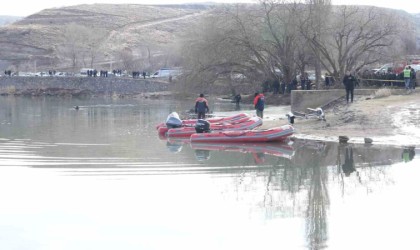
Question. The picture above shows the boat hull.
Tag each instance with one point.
(268, 135)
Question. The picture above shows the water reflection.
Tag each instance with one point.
(304, 169)
(202, 155)
(348, 166)
(408, 154)
(257, 150)
(275, 185)
(174, 147)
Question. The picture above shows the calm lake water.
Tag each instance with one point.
(100, 178)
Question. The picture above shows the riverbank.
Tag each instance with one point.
(385, 120)
(82, 86)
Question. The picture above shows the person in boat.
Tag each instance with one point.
(201, 107)
(259, 103)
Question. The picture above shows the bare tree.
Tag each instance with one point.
(81, 44)
(253, 40)
(317, 15)
(126, 58)
(71, 48)
(92, 44)
(209, 51)
(352, 38)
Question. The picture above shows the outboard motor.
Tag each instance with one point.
(202, 126)
(173, 121)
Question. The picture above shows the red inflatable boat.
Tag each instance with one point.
(267, 135)
(239, 118)
(192, 122)
(249, 124)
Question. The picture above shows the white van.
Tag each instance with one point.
(83, 72)
(166, 73)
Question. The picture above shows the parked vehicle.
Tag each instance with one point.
(416, 67)
(395, 68)
(84, 71)
(311, 76)
(166, 73)
(25, 74)
(60, 74)
(41, 74)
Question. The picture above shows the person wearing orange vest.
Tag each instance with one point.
(259, 103)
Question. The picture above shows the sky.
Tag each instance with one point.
(28, 7)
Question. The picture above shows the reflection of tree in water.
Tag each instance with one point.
(318, 199)
(300, 186)
(316, 213)
(297, 179)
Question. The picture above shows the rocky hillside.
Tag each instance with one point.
(39, 37)
(146, 31)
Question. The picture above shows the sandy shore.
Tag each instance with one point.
(386, 120)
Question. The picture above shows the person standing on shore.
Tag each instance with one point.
(413, 79)
(259, 103)
(407, 77)
(349, 82)
(201, 107)
(327, 81)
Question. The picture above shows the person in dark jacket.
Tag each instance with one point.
(201, 107)
(327, 81)
(303, 80)
(349, 82)
(237, 99)
(412, 79)
(259, 103)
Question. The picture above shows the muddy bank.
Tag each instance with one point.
(386, 120)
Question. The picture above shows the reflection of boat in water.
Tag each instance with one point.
(276, 149)
(175, 144)
(265, 135)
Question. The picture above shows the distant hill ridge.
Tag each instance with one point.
(131, 26)
(140, 29)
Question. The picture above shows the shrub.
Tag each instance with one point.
(10, 90)
(384, 92)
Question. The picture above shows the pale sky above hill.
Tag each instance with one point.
(28, 7)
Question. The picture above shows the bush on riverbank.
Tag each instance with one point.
(384, 92)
